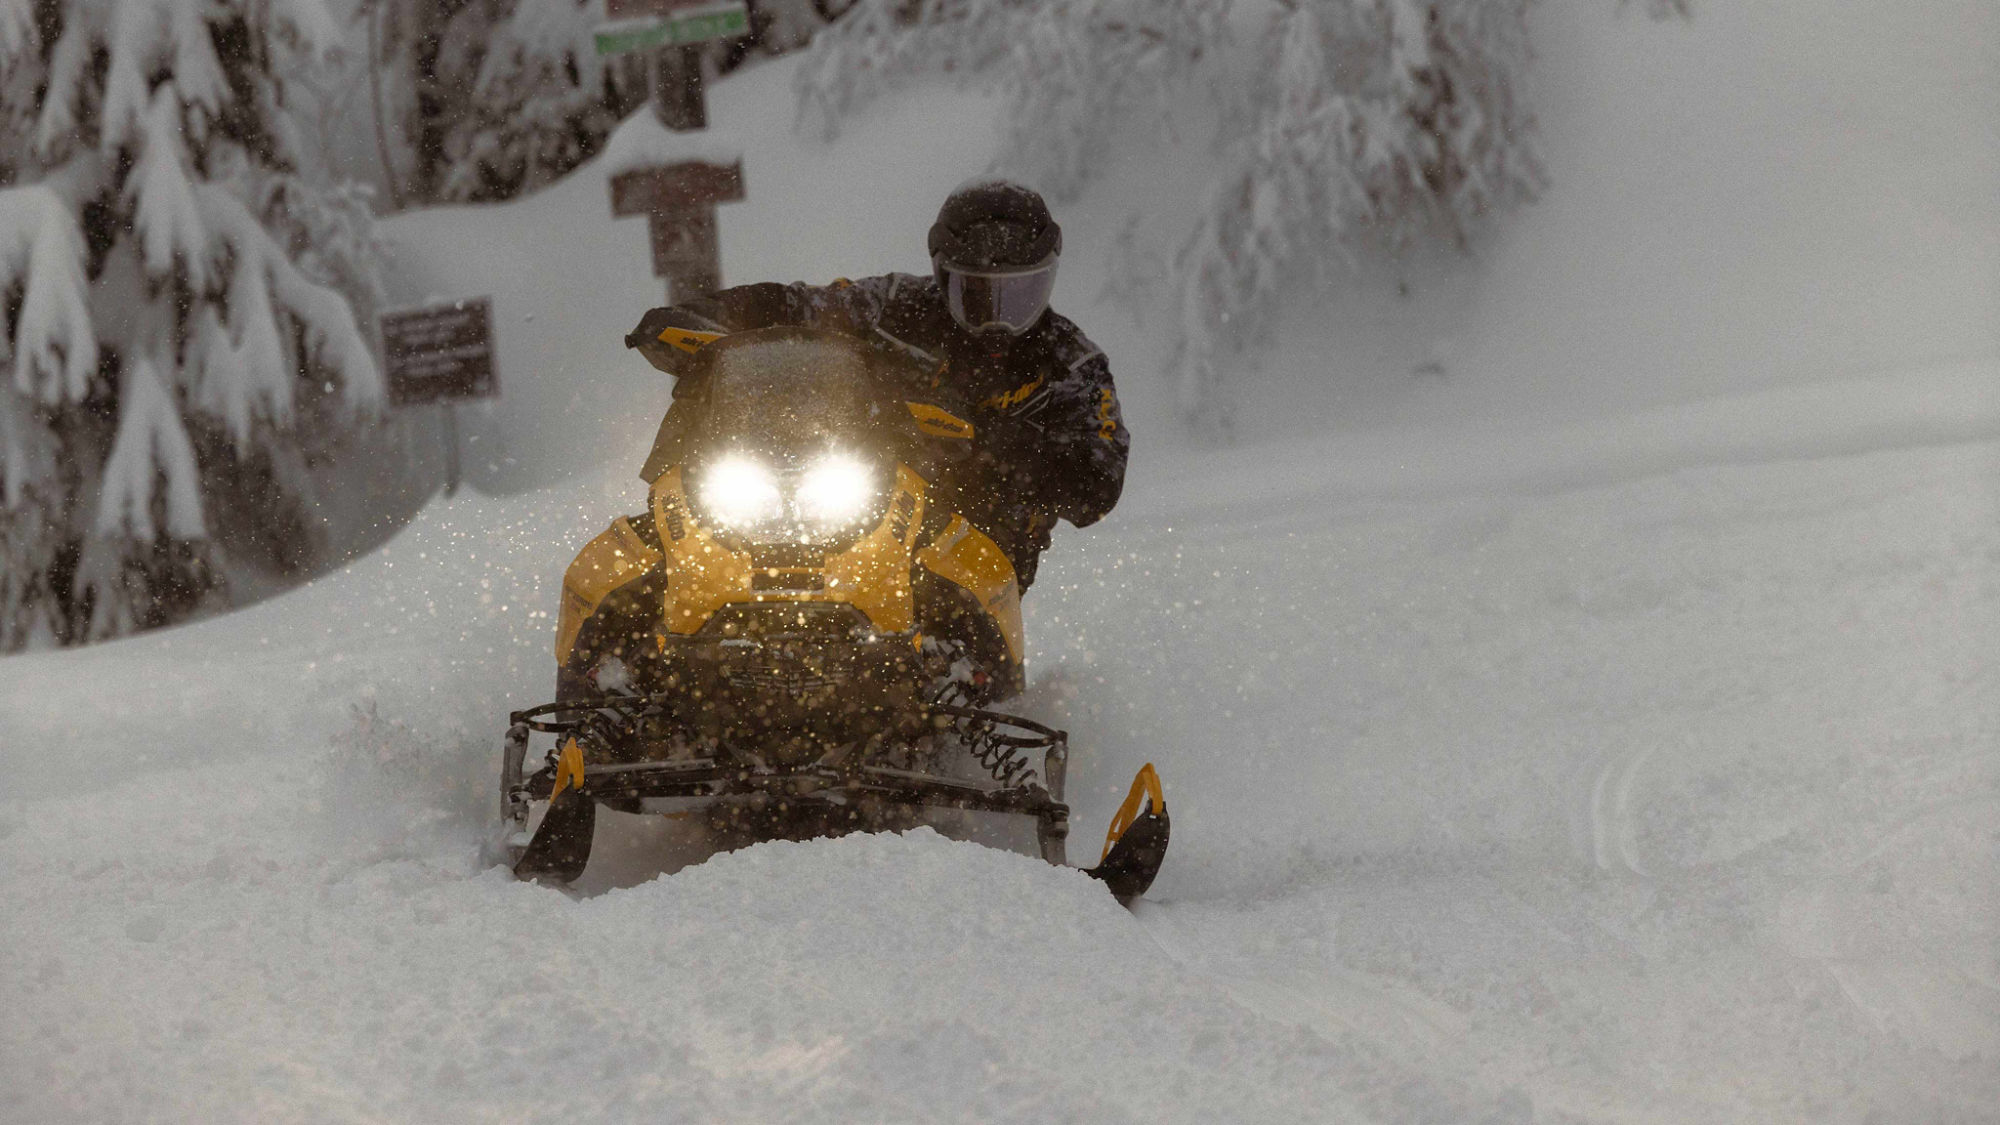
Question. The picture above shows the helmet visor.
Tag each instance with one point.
(988, 300)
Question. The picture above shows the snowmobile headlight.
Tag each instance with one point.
(740, 493)
(835, 491)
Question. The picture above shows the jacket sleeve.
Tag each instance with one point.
(844, 306)
(1060, 450)
(763, 305)
(731, 310)
(1086, 442)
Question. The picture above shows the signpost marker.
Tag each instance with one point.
(441, 353)
(677, 199)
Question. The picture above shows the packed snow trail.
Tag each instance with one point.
(1703, 740)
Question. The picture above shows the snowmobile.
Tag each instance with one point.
(805, 637)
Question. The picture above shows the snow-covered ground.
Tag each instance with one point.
(1637, 765)
(1668, 799)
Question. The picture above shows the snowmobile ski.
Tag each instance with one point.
(560, 848)
(1136, 844)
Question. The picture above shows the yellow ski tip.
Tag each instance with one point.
(569, 768)
(1145, 787)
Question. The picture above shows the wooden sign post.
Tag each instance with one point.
(677, 199)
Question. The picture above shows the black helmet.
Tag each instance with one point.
(994, 247)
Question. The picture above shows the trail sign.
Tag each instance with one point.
(680, 27)
(679, 201)
(440, 353)
(637, 9)
(680, 186)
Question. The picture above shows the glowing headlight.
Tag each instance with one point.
(836, 489)
(740, 493)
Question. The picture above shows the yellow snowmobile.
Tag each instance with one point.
(803, 637)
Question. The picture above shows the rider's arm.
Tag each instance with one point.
(763, 305)
(1082, 438)
(731, 310)
(845, 306)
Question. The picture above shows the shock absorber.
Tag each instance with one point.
(1003, 757)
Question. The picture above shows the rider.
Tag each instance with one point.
(1049, 440)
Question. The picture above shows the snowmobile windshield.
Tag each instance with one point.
(997, 300)
(788, 392)
(791, 443)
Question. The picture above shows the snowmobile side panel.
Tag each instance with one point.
(607, 562)
(939, 422)
(965, 555)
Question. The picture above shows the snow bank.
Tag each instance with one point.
(1665, 799)
(1514, 453)
(867, 979)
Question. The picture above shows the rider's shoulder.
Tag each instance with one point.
(884, 282)
(897, 286)
(1066, 342)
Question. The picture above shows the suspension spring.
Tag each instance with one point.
(1001, 757)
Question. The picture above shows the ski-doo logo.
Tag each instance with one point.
(1009, 399)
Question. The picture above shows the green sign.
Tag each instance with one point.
(696, 25)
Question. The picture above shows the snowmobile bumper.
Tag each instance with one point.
(559, 848)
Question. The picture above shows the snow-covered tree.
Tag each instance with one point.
(541, 103)
(1382, 121)
(176, 300)
(491, 98)
(1341, 123)
(1071, 72)
(488, 98)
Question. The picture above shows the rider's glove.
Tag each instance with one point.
(658, 352)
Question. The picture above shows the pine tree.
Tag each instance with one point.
(485, 99)
(540, 102)
(1352, 122)
(174, 304)
(493, 98)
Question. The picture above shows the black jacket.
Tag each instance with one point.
(1050, 441)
